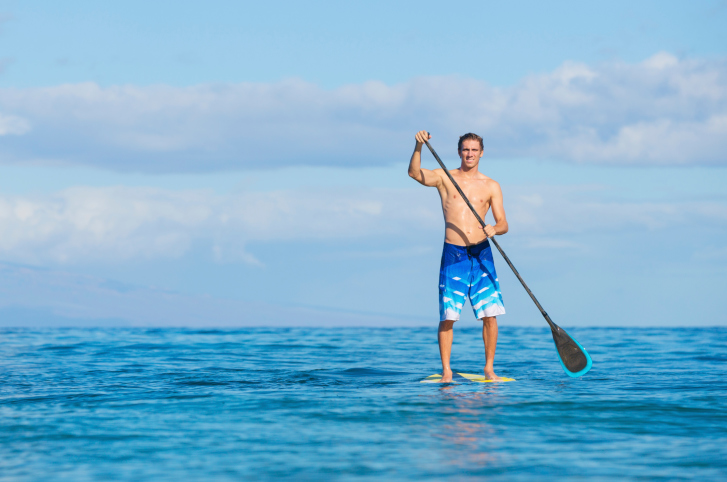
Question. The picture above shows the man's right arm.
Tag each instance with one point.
(422, 176)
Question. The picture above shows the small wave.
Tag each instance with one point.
(369, 372)
(202, 383)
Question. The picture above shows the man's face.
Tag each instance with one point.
(470, 153)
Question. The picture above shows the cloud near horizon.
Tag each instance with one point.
(118, 223)
(111, 225)
(662, 111)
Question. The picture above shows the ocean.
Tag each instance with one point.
(346, 404)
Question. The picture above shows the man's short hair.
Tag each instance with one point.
(470, 137)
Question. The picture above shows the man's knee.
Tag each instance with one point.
(489, 320)
(446, 325)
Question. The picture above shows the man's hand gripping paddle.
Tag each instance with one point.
(573, 357)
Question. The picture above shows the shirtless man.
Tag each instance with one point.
(467, 268)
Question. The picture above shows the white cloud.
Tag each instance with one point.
(82, 225)
(13, 125)
(664, 110)
(548, 210)
(91, 224)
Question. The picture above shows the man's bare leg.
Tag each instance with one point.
(489, 336)
(446, 335)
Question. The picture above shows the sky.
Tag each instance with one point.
(228, 163)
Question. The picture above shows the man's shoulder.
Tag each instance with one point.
(487, 180)
(439, 172)
(490, 186)
(493, 185)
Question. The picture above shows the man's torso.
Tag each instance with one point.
(461, 226)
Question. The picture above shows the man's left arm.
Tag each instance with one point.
(498, 212)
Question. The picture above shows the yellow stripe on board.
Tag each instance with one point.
(473, 378)
(482, 379)
(432, 379)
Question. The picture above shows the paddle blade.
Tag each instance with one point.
(573, 357)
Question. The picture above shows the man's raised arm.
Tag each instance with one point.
(422, 176)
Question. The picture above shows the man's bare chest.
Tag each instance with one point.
(476, 191)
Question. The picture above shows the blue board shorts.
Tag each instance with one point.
(468, 272)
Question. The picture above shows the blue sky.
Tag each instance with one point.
(333, 43)
(247, 162)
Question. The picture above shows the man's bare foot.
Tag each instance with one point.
(490, 375)
(446, 376)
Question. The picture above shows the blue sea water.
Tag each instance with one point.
(346, 404)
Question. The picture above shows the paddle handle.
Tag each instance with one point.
(497, 245)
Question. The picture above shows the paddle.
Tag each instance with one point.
(573, 357)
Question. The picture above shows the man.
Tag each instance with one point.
(467, 269)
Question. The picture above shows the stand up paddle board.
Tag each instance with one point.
(465, 377)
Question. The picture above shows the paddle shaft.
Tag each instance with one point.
(497, 245)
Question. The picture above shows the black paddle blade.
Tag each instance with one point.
(575, 359)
